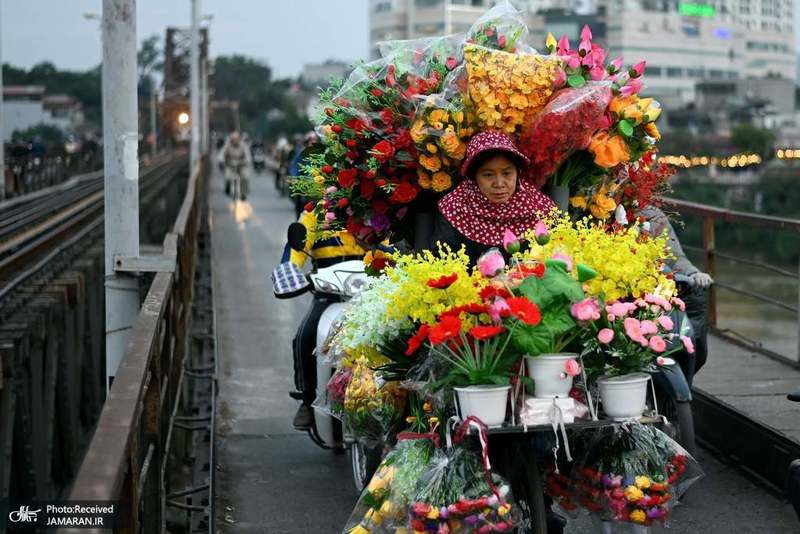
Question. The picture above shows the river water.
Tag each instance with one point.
(775, 328)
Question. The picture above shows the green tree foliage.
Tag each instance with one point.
(84, 86)
(46, 133)
(248, 81)
(749, 138)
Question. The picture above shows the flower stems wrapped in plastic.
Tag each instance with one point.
(383, 506)
(633, 473)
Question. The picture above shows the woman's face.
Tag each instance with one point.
(497, 178)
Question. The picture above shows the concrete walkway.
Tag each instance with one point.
(752, 383)
(272, 479)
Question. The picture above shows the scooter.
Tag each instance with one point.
(259, 160)
(793, 477)
(672, 381)
(336, 284)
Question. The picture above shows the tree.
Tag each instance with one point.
(46, 133)
(749, 138)
(150, 60)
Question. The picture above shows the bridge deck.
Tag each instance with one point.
(272, 479)
(753, 384)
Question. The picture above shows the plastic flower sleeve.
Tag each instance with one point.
(565, 125)
(383, 505)
(440, 134)
(633, 473)
(372, 406)
(453, 495)
(331, 399)
(500, 28)
(505, 91)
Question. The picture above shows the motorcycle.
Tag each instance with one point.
(793, 477)
(672, 381)
(336, 284)
(259, 159)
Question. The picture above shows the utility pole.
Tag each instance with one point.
(204, 106)
(2, 127)
(195, 83)
(120, 174)
(153, 124)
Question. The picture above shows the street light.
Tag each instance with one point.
(183, 118)
(92, 15)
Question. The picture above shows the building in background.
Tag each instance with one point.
(25, 106)
(412, 19)
(316, 74)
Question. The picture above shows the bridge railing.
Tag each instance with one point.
(126, 459)
(711, 217)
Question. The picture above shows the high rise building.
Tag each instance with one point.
(411, 19)
(683, 41)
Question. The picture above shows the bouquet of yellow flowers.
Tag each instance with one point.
(440, 134)
(505, 91)
(628, 262)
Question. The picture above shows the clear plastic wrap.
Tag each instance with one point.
(500, 28)
(383, 505)
(504, 90)
(565, 125)
(372, 407)
(331, 399)
(632, 473)
(454, 496)
(440, 133)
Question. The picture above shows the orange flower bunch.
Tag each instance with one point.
(632, 133)
(506, 90)
(440, 134)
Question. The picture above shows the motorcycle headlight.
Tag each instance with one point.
(355, 283)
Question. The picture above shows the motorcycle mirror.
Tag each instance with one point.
(296, 236)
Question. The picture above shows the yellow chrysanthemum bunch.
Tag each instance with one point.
(440, 135)
(506, 90)
(627, 264)
(414, 299)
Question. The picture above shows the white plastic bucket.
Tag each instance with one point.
(624, 397)
(549, 374)
(486, 402)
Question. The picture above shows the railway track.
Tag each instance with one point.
(34, 231)
(52, 356)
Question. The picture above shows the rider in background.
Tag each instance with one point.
(699, 282)
(309, 144)
(235, 156)
(339, 247)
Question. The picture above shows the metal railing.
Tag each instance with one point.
(127, 457)
(712, 215)
(29, 173)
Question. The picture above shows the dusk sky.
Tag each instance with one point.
(286, 34)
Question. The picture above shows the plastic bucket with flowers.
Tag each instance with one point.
(486, 402)
(624, 397)
(552, 373)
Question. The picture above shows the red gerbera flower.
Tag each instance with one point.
(486, 332)
(473, 308)
(443, 282)
(525, 310)
(446, 329)
(416, 341)
(490, 292)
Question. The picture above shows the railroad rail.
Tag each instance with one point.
(52, 356)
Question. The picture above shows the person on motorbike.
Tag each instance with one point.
(309, 145)
(699, 282)
(236, 158)
(490, 199)
(339, 247)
